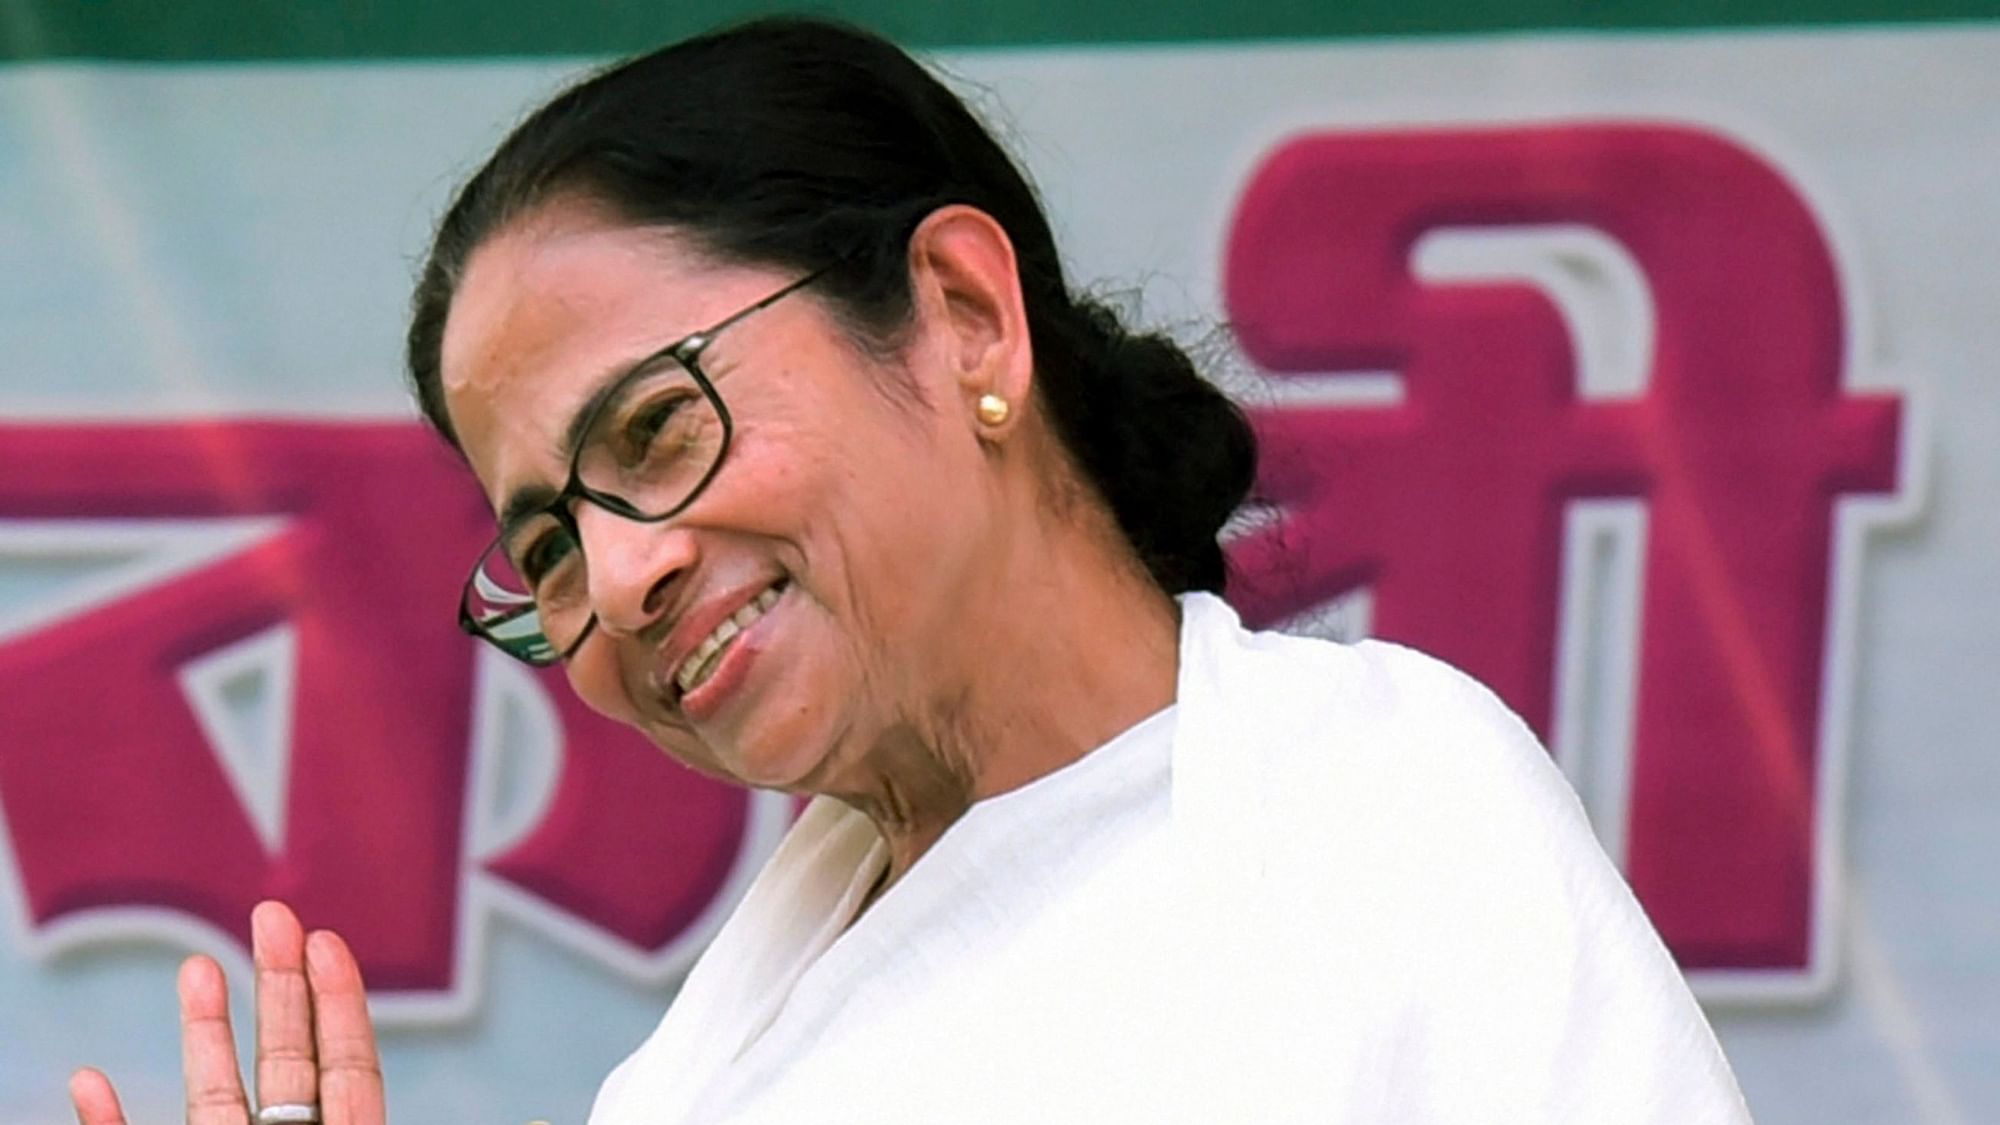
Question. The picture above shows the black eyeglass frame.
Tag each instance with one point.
(686, 351)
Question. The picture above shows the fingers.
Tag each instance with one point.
(315, 1042)
(286, 1068)
(350, 1071)
(96, 1102)
(208, 1051)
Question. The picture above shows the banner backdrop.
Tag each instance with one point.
(1646, 376)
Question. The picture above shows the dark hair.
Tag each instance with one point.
(801, 143)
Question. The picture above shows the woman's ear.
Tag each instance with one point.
(967, 292)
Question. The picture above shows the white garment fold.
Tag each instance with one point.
(1332, 883)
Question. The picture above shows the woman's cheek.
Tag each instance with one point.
(595, 679)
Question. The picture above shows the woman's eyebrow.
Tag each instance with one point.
(524, 502)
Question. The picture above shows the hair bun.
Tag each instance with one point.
(1170, 453)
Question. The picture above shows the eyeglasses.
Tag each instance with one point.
(644, 448)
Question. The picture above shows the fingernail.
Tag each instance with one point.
(319, 952)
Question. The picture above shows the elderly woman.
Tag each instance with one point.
(809, 464)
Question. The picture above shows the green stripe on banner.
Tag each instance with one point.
(197, 30)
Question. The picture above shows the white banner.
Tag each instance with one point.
(1758, 631)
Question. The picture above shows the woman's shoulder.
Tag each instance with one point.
(1352, 704)
(1301, 749)
(1390, 839)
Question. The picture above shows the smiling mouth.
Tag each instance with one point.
(707, 656)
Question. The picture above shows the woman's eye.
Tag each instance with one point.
(654, 418)
(644, 427)
(544, 555)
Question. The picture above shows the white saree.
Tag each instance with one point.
(1330, 884)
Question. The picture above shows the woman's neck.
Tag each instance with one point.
(1055, 657)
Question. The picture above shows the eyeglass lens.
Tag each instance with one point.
(651, 446)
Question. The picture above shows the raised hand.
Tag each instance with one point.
(315, 1044)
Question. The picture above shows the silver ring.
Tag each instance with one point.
(289, 1113)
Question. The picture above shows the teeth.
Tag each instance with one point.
(702, 662)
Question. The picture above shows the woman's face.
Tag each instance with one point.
(846, 523)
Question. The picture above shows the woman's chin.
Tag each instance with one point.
(790, 772)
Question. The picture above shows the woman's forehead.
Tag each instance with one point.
(549, 281)
(541, 313)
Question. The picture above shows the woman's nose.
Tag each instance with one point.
(631, 566)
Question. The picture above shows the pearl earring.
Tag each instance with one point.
(993, 409)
